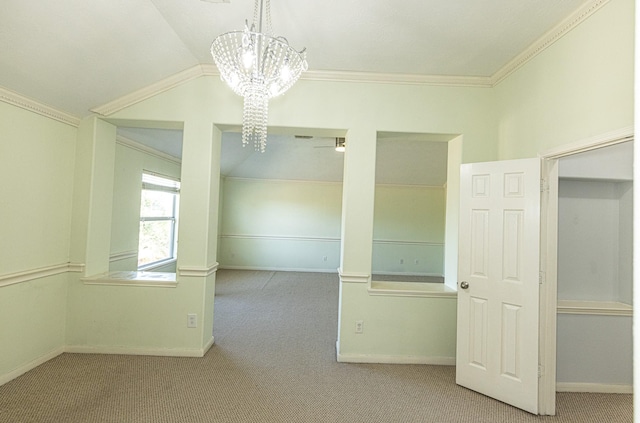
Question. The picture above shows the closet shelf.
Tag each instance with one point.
(602, 308)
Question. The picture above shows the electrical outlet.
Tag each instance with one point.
(359, 326)
(324, 258)
(401, 261)
(192, 320)
(417, 261)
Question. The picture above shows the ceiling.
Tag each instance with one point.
(78, 55)
(401, 159)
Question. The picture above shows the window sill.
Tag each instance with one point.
(134, 278)
(411, 289)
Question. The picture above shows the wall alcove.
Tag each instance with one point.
(595, 230)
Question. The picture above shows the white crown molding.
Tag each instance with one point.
(396, 78)
(150, 90)
(209, 69)
(146, 149)
(15, 99)
(549, 38)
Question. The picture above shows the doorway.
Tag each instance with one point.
(563, 170)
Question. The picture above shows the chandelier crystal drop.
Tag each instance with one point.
(257, 66)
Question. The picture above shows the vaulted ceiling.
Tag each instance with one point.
(76, 55)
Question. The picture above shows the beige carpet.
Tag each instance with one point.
(274, 361)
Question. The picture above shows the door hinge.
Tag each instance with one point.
(541, 277)
(544, 186)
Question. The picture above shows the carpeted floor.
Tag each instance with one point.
(273, 361)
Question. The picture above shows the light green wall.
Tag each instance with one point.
(579, 87)
(362, 109)
(287, 225)
(409, 226)
(36, 156)
(126, 318)
(37, 172)
(294, 225)
(125, 220)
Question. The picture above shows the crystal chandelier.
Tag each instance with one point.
(257, 65)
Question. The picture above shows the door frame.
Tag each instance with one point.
(548, 257)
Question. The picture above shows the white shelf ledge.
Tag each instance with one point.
(411, 289)
(134, 278)
(601, 308)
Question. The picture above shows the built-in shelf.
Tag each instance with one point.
(602, 308)
(134, 278)
(411, 289)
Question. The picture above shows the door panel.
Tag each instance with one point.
(498, 313)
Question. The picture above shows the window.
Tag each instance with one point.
(158, 220)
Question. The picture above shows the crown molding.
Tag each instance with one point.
(151, 90)
(209, 69)
(549, 38)
(15, 99)
(146, 149)
(396, 78)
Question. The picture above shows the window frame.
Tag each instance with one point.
(152, 181)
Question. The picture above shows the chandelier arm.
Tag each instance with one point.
(257, 65)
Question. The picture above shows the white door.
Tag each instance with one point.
(498, 287)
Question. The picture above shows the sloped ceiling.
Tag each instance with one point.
(77, 55)
(401, 159)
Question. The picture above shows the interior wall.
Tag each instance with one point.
(408, 230)
(594, 250)
(578, 87)
(294, 225)
(280, 225)
(362, 109)
(588, 240)
(37, 156)
(594, 350)
(625, 242)
(125, 221)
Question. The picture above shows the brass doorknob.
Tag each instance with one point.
(464, 285)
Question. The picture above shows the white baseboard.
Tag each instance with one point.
(207, 346)
(161, 352)
(393, 359)
(30, 365)
(278, 269)
(599, 388)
